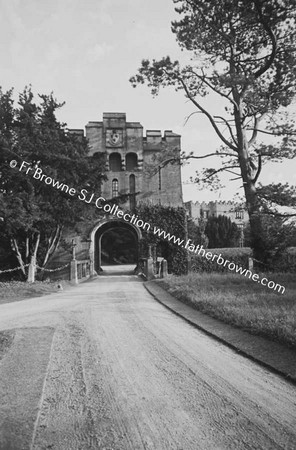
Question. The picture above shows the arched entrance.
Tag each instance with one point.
(114, 242)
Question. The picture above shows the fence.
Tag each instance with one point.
(77, 271)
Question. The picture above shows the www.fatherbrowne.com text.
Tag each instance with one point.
(101, 203)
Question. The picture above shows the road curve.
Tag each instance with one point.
(125, 373)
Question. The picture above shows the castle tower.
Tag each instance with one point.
(131, 165)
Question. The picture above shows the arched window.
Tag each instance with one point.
(131, 161)
(114, 188)
(132, 190)
(115, 162)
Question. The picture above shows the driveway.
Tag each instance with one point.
(105, 366)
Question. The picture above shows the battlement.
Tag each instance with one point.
(76, 131)
(114, 115)
(154, 139)
(234, 210)
(229, 203)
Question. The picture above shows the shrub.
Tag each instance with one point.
(238, 256)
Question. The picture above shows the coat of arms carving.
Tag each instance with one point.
(114, 138)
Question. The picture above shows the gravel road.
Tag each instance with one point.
(122, 372)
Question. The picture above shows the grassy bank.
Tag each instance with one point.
(17, 290)
(241, 302)
(6, 339)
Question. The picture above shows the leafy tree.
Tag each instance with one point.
(196, 232)
(34, 213)
(278, 235)
(222, 232)
(278, 194)
(243, 52)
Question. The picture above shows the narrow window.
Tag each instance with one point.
(115, 188)
(159, 178)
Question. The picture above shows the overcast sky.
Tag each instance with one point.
(85, 52)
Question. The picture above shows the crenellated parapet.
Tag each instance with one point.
(129, 157)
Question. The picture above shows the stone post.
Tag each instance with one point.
(73, 272)
(149, 269)
(73, 265)
(32, 270)
(164, 269)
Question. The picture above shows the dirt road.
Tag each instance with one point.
(104, 366)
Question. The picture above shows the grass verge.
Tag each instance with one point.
(6, 339)
(241, 302)
(18, 290)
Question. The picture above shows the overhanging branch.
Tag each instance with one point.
(220, 170)
(208, 115)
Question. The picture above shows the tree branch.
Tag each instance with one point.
(271, 133)
(230, 171)
(15, 249)
(270, 33)
(204, 79)
(258, 169)
(220, 170)
(228, 126)
(211, 119)
(274, 213)
(185, 158)
(255, 131)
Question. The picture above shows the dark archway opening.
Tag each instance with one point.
(119, 246)
(116, 243)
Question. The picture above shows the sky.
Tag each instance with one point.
(85, 52)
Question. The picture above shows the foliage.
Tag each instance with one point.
(34, 213)
(222, 232)
(277, 237)
(278, 193)
(197, 232)
(169, 219)
(243, 52)
(119, 246)
(238, 256)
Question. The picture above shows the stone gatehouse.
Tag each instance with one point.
(133, 173)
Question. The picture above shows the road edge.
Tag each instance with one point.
(261, 350)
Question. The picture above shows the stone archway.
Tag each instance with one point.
(110, 239)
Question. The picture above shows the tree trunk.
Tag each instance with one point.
(18, 255)
(53, 243)
(27, 249)
(247, 172)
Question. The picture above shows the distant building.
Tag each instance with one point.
(235, 211)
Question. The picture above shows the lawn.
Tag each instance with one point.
(241, 302)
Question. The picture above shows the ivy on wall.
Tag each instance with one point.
(173, 222)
